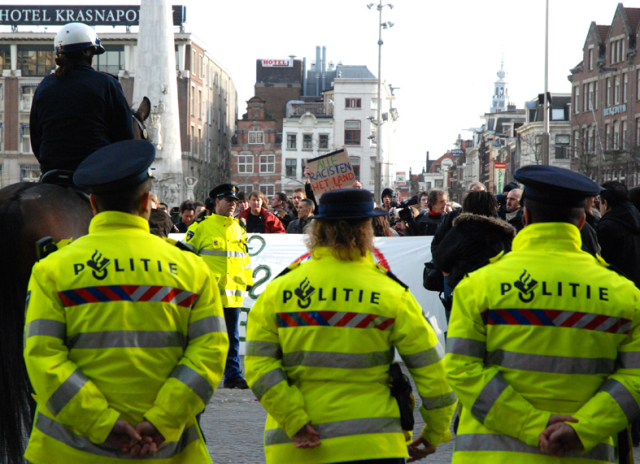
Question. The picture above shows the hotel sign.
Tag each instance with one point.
(615, 110)
(277, 63)
(93, 15)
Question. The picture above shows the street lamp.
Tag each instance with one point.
(378, 169)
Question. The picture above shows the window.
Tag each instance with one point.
(374, 103)
(576, 98)
(539, 141)
(35, 60)
(29, 173)
(616, 135)
(562, 146)
(637, 132)
(352, 132)
(256, 137)
(307, 141)
(5, 57)
(268, 190)
(201, 66)
(246, 188)
(290, 167)
(625, 84)
(576, 139)
(585, 105)
(193, 62)
(292, 141)
(111, 61)
(25, 136)
(199, 141)
(200, 104)
(623, 141)
(557, 114)
(372, 137)
(27, 92)
(372, 168)
(353, 103)
(245, 163)
(192, 138)
(590, 106)
(267, 163)
(355, 164)
(596, 95)
(612, 53)
(192, 99)
(607, 137)
(616, 89)
(608, 91)
(323, 141)
(591, 59)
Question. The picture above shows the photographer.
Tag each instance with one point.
(426, 223)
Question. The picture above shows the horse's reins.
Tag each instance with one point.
(143, 130)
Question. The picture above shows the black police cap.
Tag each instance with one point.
(116, 167)
(225, 191)
(347, 204)
(557, 186)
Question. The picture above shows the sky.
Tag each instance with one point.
(443, 55)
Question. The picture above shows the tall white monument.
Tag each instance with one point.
(155, 78)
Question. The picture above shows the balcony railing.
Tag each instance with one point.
(318, 109)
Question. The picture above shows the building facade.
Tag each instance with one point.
(207, 101)
(605, 105)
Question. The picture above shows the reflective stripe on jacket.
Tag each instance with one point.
(546, 329)
(320, 342)
(222, 243)
(121, 325)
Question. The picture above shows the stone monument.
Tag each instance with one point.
(155, 77)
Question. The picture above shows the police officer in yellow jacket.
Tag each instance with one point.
(544, 344)
(125, 339)
(221, 240)
(320, 342)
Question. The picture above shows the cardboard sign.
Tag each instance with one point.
(332, 171)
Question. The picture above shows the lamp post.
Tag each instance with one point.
(378, 170)
(546, 158)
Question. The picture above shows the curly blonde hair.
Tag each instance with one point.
(346, 239)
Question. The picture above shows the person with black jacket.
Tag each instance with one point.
(476, 236)
(426, 223)
(305, 209)
(619, 230)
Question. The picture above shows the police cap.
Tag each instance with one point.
(347, 204)
(554, 185)
(116, 167)
(224, 191)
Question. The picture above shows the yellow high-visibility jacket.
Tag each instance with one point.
(320, 341)
(546, 329)
(222, 243)
(121, 325)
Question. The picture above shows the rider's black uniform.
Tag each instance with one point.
(72, 118)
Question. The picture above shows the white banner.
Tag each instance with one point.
(404, 256)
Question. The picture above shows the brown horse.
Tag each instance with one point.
(28, 213)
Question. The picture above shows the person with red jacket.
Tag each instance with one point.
(257, 219)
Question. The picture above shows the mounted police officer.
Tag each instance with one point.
(125, 339)
(221, 240)
(320, 344)
(544, 344)
(77, 110)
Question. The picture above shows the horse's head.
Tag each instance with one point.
(139, 117)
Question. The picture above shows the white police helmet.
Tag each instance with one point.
(77, 36)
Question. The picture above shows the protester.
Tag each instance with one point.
(257, 219)
(502, 199)
(542, 341)
(305, 211)
(387, 197)
(119, 372)
(187, 216)
(278, 205)
(199, 207)
(426, 223)
(160, 223)
(381, 227)
(619, 230)
(76, 110)
(298, 194)
(325, 381)
(222, 243)
(514, 214)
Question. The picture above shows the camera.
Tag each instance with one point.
(405, 213)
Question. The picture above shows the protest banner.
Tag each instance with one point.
(405, 257)
(332, 171)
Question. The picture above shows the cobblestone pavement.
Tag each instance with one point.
(233, 424)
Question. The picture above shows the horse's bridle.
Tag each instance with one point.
(143, 130)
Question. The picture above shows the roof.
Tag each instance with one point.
(604, 30)
(354, 72)
(633, 15)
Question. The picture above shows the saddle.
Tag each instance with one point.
(64, 178)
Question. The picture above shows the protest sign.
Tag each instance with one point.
(332, 171)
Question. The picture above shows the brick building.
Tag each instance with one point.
(256, 156)
(605, 105)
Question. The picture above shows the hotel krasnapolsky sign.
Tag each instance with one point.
(93, 15)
